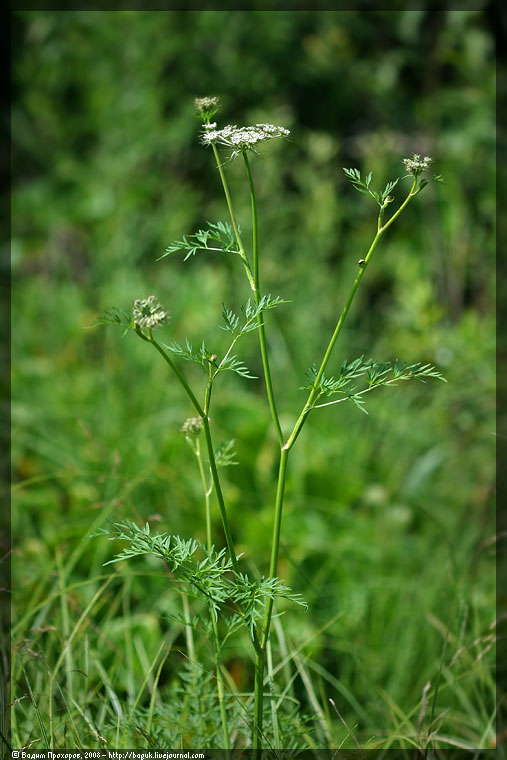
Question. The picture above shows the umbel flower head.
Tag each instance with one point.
(416, 165)
(242, 138)
(191, 427)
(147, 314)
(206, 107)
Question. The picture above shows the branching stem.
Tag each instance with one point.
(209, 445)
(233, 219)
(188, 390)
(327, 355)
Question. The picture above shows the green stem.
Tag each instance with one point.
(189, 636)
(362, 269)
(207, 493)
(209, 388)
(315, 391)
(261, 655)
(260, 316)
(255, 223)
(275, 544)
(233, 218)
(260, 659)
(216, 641)
(272, 694)
(220, 684)
(188, 390)
(402, 207)
(220, 496)
(209, 445)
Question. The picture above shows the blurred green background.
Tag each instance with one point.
(388, 527)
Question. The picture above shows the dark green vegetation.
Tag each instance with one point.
(388, 529)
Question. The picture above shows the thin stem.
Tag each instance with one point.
(260, 316)
(220, 250)
(225, 357)
(233, 218)
(207, 493)
(255, 223)
(209, 388)
(220, 685)
(403, 205)
(362, 269)
(260, 655)
(315, 390)
(247, 324)
(275, 545)
(189, 636)
(260, 659)
(220, 497)
(271, 680)
(216, 641)
(209, 445)
(198, 408)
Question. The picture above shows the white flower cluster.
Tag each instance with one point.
(243, 138)
(147, 314)
(204, 105)
(416, 164)
(191, 427)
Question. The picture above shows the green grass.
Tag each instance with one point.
(385, 535)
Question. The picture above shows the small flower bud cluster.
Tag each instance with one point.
(191, 427)
(147, 314)
(416, 165)
(206, 106)
(243, 138)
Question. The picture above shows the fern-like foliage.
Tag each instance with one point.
(237, 325)
(376, 374)
(251, 595)
(363, 186)
(195, 622)
(206, 576)
(209, 578)
(233, 323)
(233, 364)
(329, 385)
(225, 455)
(219, 236)
(423, 182)
(187, 353)
(189, 717)
(140, 540)
(115, 316)
(205, 359)
(402, 371)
